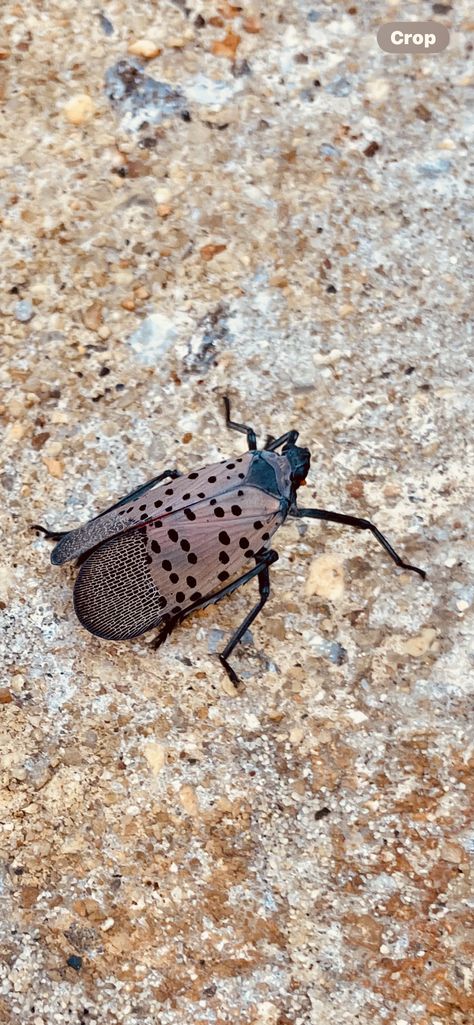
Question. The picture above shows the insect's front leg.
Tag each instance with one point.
(290, 438)
(360, 524)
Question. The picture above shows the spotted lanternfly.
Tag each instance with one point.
(183, 541)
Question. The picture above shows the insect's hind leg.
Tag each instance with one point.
(264, 590)
(241, 428)
(360, 524)
(263, 560)
(50, 535)
(56, 535)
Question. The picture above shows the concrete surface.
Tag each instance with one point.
(258, 202)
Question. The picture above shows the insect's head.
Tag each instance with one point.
(299, 460)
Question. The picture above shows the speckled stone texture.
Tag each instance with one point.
(199, 199)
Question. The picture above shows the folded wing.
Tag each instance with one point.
(153, 573)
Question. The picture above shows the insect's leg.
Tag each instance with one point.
(265, 559)
(264, 589)
(56, 535)
(251, 436)
(361, 524)
(290, 438)
(172, 474)
(50, 535)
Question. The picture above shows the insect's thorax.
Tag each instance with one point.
(271, 473)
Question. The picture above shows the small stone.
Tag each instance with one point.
(267, 1013)
(208, 252)
(252, 722)
(356, 716)
(153, 338)
(371, 149)
(54, 466)
(145, 48)
(54, 448)
(339, 87)
(108, 924)
(391, 490)
(28, 896)
(377, 89)
(106, 25)
(38, 440)
(17, 431)
(74, 961)
(327, 150)
(451, 852)
(337, 653)
(24, 311)
(422, 112)
(188, 800)
(17, 683)
(5, 696)
(226, 47)
(15, 408)
(355, 488)
(80, 109)
(436, 168)
(251, 25)
(420, 644)
(155, 755)
(227, 687)
(177, 42)
(326, 577)
(162, 194)
(322, 359)
(92, 316)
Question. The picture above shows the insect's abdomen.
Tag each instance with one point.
(155, 572)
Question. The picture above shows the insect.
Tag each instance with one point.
(182, 542)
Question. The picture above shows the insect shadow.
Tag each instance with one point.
(182, 542)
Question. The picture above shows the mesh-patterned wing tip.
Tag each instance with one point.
(114, 595)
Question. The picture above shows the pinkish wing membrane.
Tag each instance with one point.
(160, 500)
(136, 580)
(200, 549)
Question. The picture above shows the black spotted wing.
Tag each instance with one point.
(152, 573)
(161, 500)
